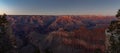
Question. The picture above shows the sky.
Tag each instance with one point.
(59, 7)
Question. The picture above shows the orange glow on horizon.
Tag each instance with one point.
(2, 12)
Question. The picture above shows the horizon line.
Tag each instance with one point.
(61, 14)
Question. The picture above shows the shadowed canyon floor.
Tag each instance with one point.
(60, 34)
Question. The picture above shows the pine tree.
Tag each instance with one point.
(118, 14)
(114, 39)
(5, 43)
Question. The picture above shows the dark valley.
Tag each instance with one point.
(60, 33)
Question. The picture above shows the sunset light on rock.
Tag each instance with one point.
(59, 26)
